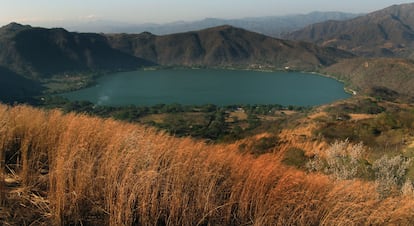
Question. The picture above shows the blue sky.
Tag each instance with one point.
(160, 11)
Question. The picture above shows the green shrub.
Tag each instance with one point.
(264, 145)
(295, 157)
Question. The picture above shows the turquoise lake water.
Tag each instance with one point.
(208, 86)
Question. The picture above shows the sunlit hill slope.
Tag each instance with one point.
(74, 169)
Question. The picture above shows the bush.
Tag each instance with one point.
(263, 145)
(390, 173)
(337, 131)
(343, 161)
(295, 157)
(361, 106)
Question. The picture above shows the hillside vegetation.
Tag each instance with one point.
(73, 169)
(380, 77)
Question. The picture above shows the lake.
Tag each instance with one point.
(209, 86)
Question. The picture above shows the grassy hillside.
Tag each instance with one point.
(376, 76)
(74, 169)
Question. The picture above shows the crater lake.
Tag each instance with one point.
(211, 86)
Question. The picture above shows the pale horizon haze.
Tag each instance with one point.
(44, 12)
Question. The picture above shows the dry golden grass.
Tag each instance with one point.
(302, 137)
(157, 118)
(358, 117)
(241, 115)
(319, 114)
(75, 169)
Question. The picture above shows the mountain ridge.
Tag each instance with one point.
(224, 46)
(384, 33)
(38, 52)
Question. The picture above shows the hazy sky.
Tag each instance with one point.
(160, 11)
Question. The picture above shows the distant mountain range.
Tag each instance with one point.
(272, 25)
(386, 33)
